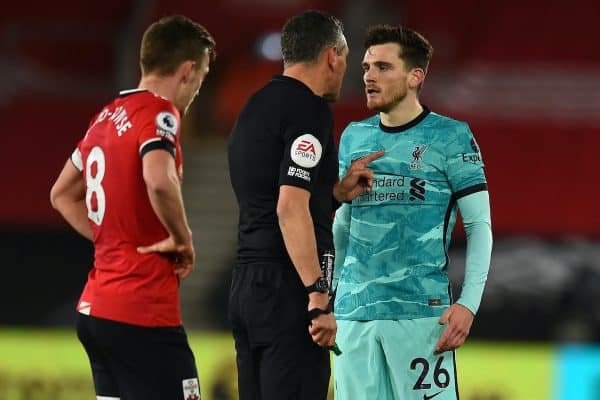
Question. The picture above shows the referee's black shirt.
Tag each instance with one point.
(283, 136)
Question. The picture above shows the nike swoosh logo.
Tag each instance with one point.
(425, 397)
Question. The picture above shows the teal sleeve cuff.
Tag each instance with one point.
(341, 236)
(475, 212)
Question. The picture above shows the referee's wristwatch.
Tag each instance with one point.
(321, 285)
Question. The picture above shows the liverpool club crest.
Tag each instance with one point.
(417, 155)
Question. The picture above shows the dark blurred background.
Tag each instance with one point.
(525, 75)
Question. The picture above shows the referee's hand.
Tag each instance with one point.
(358, 178)
(323, 328)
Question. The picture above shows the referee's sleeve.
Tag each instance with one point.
(475, 211)
(305, 139)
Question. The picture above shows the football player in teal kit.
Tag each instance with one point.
(397, 322)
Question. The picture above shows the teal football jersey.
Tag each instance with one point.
(395, 264)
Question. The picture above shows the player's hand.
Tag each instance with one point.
(357, 179)
(458, 320)
(323, 328)
(183, 255)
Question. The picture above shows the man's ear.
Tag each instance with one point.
(185, 70)
(332, 57)
(416, 78)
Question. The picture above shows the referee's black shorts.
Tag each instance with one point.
(276, 357)
(132, 362)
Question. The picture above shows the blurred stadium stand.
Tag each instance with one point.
(524, 75)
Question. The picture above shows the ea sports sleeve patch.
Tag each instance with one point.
(305, 141)
(300, 161)
(306, 151)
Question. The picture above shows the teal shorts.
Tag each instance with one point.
(393, 360)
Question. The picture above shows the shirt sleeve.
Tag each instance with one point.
(343, 161)
(341, 222)
(160, 130)
(464, 164)
(77, 159)
(305, 137)
(341, 237)
(76, 156)
(475, 211)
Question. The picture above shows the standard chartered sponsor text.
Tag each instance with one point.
(387, 183)
(396, 181)
(381, 196)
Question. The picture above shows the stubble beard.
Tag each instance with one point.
(390, 105)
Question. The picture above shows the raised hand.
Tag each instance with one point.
(357, 179)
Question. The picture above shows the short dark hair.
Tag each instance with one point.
(415, 50)
(305, 35)
(172, 40)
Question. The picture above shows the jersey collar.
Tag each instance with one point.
(124, 93)
(408, 125)
(291, 81)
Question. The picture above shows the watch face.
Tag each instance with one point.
(322, 285)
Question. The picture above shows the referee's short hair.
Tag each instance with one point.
(172, 40)
(305, 35)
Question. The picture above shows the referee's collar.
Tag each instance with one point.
(291, 81)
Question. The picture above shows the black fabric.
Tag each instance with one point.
(260, 161)
(481, 187)
(315, 312)
(158, 145)
(408, 125)
(133, 362)
(276, 357)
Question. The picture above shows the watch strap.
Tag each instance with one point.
(315, 312)
(315, 286)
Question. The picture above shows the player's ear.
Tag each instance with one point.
(186, 70)
(416, 76)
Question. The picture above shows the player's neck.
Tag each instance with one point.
(407, 110)
(161, 86)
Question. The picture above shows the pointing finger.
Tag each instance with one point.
(445, 317)
(371, 157)
(442, 343)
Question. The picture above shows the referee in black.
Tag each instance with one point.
(283, 168)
